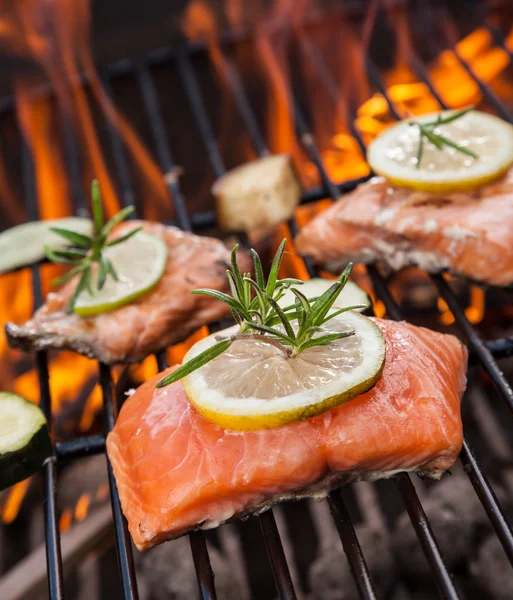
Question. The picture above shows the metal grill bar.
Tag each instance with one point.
(479, 481)
(52, 537)
(123, 541)
(197, 541)
(85, 446)
(483, 351)
(272, 539)
(158, 129)
(351, 545)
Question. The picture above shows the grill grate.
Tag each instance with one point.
(483, 353)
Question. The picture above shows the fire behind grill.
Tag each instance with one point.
(483, 353)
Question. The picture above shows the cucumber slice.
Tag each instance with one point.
(24, 440)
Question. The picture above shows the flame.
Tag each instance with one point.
(82, 507)
(65, 521)
(14, 500)
(54, 36)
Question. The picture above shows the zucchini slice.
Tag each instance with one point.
(24, 440)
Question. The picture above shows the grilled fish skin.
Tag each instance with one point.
(470, 234)
(165, 316)
(176, 471)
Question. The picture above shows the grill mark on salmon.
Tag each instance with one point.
(470, 234)
(163, 317)
(176, 471)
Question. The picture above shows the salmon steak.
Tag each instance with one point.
(166, 315)
(176, 471)
(468, 234)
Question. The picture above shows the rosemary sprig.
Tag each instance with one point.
(428, 131)
(254, 306)
(87, 251)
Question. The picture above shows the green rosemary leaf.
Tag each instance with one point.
(116, 219)
(325, 339)
(77, 239)
(103, 271)
(88, 284)
(456, 146)
(246, 285)
(432, 137)
(259, 272)
(232, 284)
(82, 284)
(272, 332)
(325, 301)
(232, 302)
(259, 297)
(275, 268)
(112, 270)
(283, 318)
(96, 204)
(289, 281)
(450, 118)
(420, 149)
(302, 299)
(59, 257)
(343, 310)
(69, 275)
(237, 277)
(195, 363)
(125, 237)
(428, 130)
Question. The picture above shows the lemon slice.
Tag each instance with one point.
(25, 243)
(393, 154)
(140, 262)
(351, 295)
(252, 385)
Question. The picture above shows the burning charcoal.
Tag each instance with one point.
(168, 572)
(456, 516)
(258, 194)
(492, 570)
(330, 575)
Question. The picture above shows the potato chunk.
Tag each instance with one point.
(257, 194)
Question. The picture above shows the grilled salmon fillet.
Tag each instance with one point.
(470, 234)
(163, 317)
(176, 471)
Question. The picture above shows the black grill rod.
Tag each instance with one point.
(349, 542)
(500, 40)
(478, 345)
(267, 521)
(485, 90)
(52, 534)
(78, 448)
(483, 353)
(123, 541)
(118, 153)
(480, 348)
(478, 479)
(351, 545)
(197, 541)
(410, 498)
(198, 108)
(277, 556)
(157, 125)
(198, 544)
